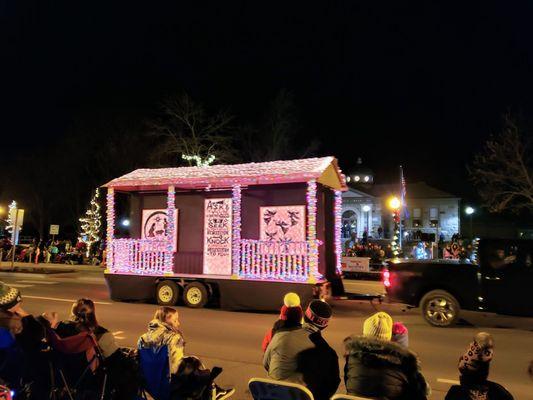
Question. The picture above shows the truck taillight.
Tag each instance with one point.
(386, 278)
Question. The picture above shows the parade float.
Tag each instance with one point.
(238, 235)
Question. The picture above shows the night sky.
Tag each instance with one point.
(419, 84)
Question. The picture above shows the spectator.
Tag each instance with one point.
(30, 336)
(303, 355)
(474, 371)
(290, 318)
(377, 367)
(83, 319)
(122, 372)
(163, 330)
(400, 334)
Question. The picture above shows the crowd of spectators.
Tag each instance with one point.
(378, 363)
(52, 251)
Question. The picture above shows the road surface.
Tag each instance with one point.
(232, 340)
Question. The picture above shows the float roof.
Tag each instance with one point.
(324, 169)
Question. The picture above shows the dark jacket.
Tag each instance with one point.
(489, 391)
(319, 367)
(385, 370)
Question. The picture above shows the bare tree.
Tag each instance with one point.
(502, 172)
(185, 128)
(274, 138)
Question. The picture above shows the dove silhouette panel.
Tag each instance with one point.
(282, 223)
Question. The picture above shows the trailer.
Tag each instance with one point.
(238, 235)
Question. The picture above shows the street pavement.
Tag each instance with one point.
(232, 340)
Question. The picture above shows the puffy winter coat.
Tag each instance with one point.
(385, 370)
(160, 334)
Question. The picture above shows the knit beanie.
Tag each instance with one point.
(475, 362)
(400, 334)
(291, 309)
(9, 297)
(378, 326)
(318, 313)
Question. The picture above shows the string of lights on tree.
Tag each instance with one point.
(200, 162)
(10, 218)
(91, 223)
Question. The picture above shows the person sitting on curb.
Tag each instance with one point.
(474, 372)
(378, 368)
(290, 318)
(303, 356)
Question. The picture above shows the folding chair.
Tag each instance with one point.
(268, 389)
(155, 369)
(340, 396)
(75, 355)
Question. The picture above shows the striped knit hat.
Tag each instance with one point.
(318, 313)
(378, 326)
(9, 297)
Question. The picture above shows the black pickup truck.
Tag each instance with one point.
(498, 278)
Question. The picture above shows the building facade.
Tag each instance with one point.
(430, 212)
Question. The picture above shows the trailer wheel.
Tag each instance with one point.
(167, 293)
(440, 308)
(195, 295)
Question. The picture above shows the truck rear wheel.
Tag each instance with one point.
(167, 293)
(195, 295)
(440, 308)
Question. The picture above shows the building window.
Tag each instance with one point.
(417, 217)
(434, 217)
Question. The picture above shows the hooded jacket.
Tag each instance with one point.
(161, 334)
(384, 370)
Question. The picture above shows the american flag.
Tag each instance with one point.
(403, 194)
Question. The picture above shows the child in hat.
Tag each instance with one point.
(290, 317)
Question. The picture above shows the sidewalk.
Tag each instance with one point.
(29, 267)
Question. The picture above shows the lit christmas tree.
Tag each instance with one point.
(91, 223)
(11, 218)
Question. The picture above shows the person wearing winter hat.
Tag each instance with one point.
(290, 317)
(400, 334)
(302, 355)
(473, 368)
(377, 367)
(29, 335)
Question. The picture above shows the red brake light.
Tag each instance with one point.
(386, 278)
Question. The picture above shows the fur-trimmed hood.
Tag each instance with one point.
(377, 353)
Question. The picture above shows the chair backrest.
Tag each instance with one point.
(340, 396)
(268, 389)
(155, 369)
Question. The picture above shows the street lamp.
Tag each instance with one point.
(470, 211)
(394, 203)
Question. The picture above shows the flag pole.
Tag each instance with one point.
(400, 239)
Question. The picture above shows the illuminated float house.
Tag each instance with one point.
(241, 235)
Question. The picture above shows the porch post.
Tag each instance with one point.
(236, 231)
(170, 231)
(337, 214)
(312, 273)
(110, 220)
